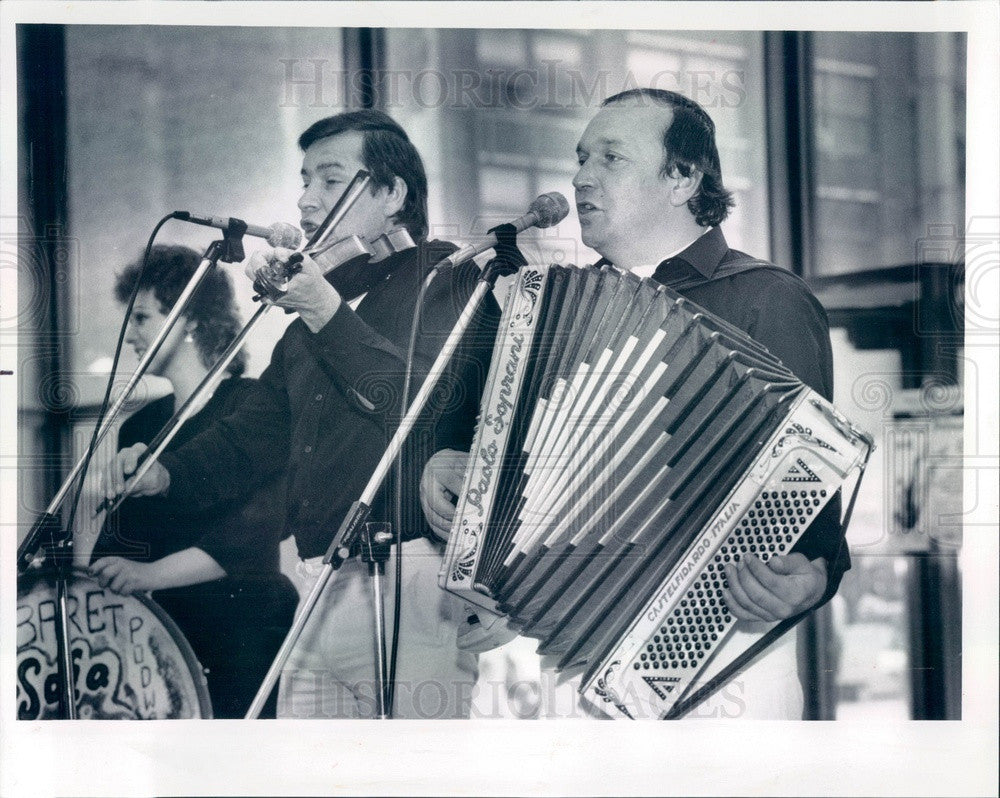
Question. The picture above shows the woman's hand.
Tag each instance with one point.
(124, 576)
(190, 566)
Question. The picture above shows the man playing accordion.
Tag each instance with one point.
(650, 199)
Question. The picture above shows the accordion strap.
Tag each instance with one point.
(704, 692)
(725, 270)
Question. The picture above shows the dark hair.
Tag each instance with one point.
(689, 144)
(387, 153)
(212, 306)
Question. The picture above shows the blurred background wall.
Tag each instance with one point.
(845, 151)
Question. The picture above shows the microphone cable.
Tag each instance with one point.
(398, 503)
(507, 251)
(91, 448)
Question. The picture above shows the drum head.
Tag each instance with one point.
(130, 661)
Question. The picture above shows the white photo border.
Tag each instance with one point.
(514, 757)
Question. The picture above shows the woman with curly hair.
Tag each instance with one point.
(217, 575)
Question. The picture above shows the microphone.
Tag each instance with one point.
(279, 234)
(546, 211)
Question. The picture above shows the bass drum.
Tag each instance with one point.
(130, 661)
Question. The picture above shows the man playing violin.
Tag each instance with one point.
(324, 411)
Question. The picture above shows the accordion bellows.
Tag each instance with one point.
(630, 444)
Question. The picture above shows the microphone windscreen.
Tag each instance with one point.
(550, 209)
(284, 235)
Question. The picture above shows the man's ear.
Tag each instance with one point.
(395, 197)
(684, 187)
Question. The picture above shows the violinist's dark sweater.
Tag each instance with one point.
(328, 403)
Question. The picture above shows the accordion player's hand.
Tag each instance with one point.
(780, 588)
(440, 487)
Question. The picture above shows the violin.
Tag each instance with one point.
(272, 281)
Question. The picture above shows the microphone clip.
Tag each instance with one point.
(230, 249)
(232, 241)
(508, 258)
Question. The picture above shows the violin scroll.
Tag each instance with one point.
(272, 281)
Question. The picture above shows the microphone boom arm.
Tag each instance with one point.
(547, 210)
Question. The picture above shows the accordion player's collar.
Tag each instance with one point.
(705, 253)
(703, 256)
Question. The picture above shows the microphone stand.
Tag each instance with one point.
(353, 524)
(376, 543)
(48, 532)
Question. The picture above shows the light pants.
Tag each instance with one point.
(331, 672)
(769, 689)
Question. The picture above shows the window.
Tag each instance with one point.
(888, 142)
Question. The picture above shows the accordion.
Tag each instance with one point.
(629, 445)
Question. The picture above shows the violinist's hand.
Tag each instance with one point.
(774, 590)
(308, 293)
(440, 487)
(114, 479)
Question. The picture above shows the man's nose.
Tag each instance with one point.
(308, 201)
(583, 177)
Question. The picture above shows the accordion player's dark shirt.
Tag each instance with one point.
(775, 308)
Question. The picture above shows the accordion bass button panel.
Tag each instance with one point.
(679, 641)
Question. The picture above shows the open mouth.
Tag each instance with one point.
(583, 208)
